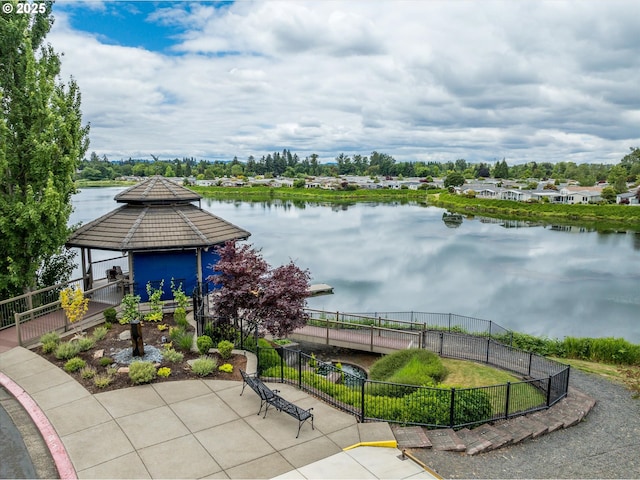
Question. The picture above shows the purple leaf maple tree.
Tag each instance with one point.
(253, 294)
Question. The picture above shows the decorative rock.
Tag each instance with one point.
(98, 354)
(123, 370)
(125, 335)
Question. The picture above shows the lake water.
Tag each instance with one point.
(544, 281)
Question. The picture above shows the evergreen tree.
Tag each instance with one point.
(41, 143)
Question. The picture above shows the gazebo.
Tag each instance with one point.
(163, 234)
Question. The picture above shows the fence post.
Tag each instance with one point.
(449, 323)
(549, 392)
(362, 416)
(488, 347)
(452, 408)
(441, 343)
(327, 327)
(530, 360)
(281, 366)
(16, 315)
(490, 324)
(371, 338)
(300, 369)
(506, 407)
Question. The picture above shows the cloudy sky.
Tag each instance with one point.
(419, 80)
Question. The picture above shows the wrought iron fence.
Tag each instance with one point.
(546, 381)
(449, 322)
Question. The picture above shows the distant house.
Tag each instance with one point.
(574, 195)
(627, 198)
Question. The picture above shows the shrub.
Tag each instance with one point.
(205, 365)
(184, 341)
(412, 366)
(88, 372)
(99, 333)
(130, 312)
(227, 368)
(204, 343)
(172, 356)
(162, 327)
(180, 317)
(51, 337)
(112, 371)
(110, 315)
(225, 347)
(102, 380)
(141, 372)
(164, 372)
(176, 332)
(67, 350)
(155, 295)
(268, 356)
(105, 361)
(86, 343)
(49, 347)
(74, 364)
(221, 331)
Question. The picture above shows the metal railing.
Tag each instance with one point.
(31, 300)
(449, 322)
(99, 268)
(32, 324)
(544, 383)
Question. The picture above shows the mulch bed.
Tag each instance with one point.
(151, 335)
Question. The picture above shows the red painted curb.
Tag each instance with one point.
(58, 452)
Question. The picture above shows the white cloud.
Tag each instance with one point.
(544, 81)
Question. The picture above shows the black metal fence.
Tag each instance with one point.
(448, 322)
(545, 383)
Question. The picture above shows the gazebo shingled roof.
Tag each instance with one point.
(158, 216)
(157, 190)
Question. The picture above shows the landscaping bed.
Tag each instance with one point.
(117, 339)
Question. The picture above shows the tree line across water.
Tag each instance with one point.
(290, 165)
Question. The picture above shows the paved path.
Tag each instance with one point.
(196, 428)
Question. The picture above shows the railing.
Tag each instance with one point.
(31, 300)
(34, 323)
(545, 381)
(100, 267)
(449, 322)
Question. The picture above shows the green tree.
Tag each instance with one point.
(501, 169)
(454, 179)
(617, 178)
(608, 194)
(41, 143)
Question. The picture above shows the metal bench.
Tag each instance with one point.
(271, 397)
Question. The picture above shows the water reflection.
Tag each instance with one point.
(399, 257)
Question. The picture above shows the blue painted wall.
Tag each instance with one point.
(209, 259)
(182, 266)
(156, 266)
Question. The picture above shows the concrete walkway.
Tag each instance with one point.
(194, 429)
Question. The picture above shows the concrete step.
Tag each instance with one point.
(445, 439)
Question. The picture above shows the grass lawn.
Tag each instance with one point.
(466, 374)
